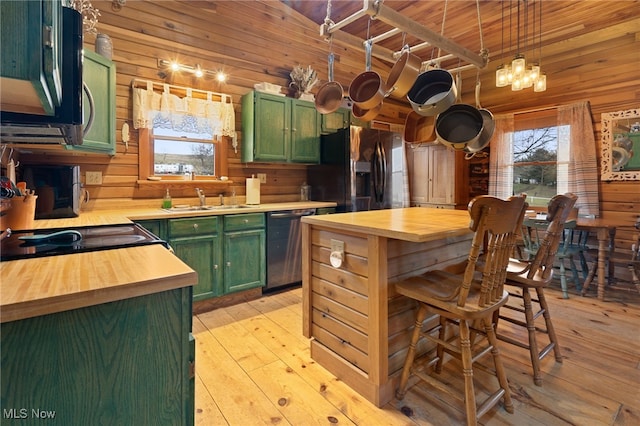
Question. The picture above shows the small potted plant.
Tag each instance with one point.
(302, 81)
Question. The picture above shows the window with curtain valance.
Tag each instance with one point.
(576, 154)
(197, 111)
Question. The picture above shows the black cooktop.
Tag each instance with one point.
(90, 238)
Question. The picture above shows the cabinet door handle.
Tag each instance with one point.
(246, 221)
(47, 36)
(215, 267)
(228, 264)
(195, 226)
(294, 130)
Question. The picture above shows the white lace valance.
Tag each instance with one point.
(210, 113)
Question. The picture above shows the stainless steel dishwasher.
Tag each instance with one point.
(284, 248)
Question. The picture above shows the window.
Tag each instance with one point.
(538, 156)
(178, 153)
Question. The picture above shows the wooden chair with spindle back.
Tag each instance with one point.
(536, 274)
(464, 299)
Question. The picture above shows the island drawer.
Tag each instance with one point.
(193, 226)
(239, 222)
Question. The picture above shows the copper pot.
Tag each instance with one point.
(419, 128)
(366, 114)
(367, 90)
(329, 96)
(403, 75)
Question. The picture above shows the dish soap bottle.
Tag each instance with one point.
(166, 201)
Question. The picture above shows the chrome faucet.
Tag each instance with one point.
(203, 199)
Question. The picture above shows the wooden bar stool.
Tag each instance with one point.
(536, 274)
(465, 299)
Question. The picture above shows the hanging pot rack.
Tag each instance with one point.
(375, 9)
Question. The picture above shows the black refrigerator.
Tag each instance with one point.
(360, 169)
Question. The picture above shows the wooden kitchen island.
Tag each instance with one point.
(358, 325)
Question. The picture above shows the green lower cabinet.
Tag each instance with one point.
(156, 226)
(244, 260)
(128, 362)
(196, 242)
(244, 252)
(202, 254)
(228, 252)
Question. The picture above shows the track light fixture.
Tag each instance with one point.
(196, 70)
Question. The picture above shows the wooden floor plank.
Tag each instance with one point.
(298, 402)
(240, 401)
(252, 355)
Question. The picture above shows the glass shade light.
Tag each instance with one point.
(534, 72)
(501, 76)
(516, 84)
(541, 83)
(518, 66)
(527, 81)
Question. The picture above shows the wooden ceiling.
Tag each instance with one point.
(561, 21)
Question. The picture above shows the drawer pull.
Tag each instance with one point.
(195, 226)
(246, 221)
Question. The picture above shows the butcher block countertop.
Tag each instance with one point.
(416, 224)
(46, 285)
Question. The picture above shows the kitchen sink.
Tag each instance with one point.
(182, 208)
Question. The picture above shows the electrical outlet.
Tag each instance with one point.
(93, 178)
(262, 177)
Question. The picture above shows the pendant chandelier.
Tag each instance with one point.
(518, 73)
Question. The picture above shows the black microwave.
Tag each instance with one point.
(58, 189)
(65, 125)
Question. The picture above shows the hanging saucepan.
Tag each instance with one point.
(419, 128)
(488, 127)
(460, 127)
(367, 90)
(366, 114)
(403, 74)
(329, 96)
(433, 92)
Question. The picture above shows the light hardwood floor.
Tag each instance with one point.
(253, 367)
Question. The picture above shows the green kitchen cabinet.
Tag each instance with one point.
(125, 362)
(244, 252)
(156, 226)
(196, 241)
(279, 129)
(98, 105)
(335, 121)
(31, 45)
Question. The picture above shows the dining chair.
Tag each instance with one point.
(535, 274)
(465, 299)
(629, 259)
(572, 246)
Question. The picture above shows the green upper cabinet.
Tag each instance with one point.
(305, 132)
(31, 46)
(279, 129)
(99, 96)
(336, 120)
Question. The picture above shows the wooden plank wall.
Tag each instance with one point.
(254, 41)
